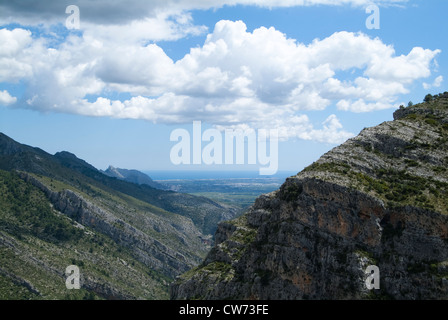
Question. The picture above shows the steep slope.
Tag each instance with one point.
(37, 243)
(380, 199)
(130, 246)
(133, 176)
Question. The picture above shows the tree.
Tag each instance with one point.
(410, 104)
(428, 98)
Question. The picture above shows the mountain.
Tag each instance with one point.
(129, 241)
(133, 176)
(380, 199)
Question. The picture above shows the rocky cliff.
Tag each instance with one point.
(379, 199)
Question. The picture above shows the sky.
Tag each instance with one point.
(113, 81)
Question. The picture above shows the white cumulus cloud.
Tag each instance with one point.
(436, 84)
(258, 79)
(6, 98)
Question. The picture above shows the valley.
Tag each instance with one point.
(240, 192)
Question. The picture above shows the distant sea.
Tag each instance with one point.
(208, 174)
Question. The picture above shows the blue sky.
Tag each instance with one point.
(113, 90)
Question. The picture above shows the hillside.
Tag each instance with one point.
(380, 198)
(37, 243)
(129, 240)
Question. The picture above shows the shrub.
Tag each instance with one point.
(411, 163)
(431, 122)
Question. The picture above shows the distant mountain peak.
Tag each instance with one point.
(114, 172)
(66, 154)
(70, 160)
(133, 176)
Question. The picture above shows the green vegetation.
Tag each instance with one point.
(411, 163)
(11, 290)
(96, 255)
(401, 188)
(404, 180)
(218, 270)
(428, 118)
(218, 267)
(366, 254)
(337, 167)
(25, 211)
(43, 242)
(239, 192)
(242, 199)
(291, 192)
(244, 236)
(241, 238)
(396, 187)
(129, 240)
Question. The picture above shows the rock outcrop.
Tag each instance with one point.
(380, 199)
(133, 176)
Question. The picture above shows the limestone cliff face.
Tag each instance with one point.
(146, 249)
(378, 199)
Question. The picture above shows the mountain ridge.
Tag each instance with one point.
(204, 212)
(378, 199)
